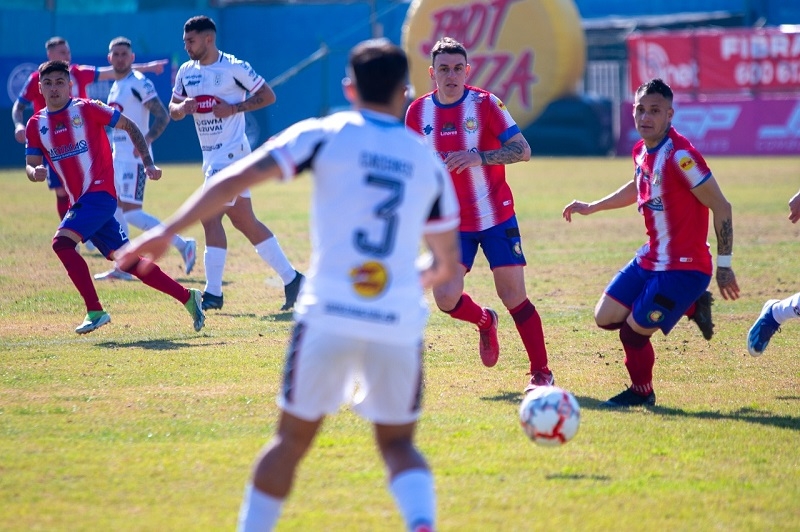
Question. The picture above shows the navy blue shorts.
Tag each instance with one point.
(502, 245)
(92, 218)
(657, 299)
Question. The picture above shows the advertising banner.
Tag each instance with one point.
(708, 61)
(732, 127)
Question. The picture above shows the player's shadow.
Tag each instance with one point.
(162, 344)
(746, 414)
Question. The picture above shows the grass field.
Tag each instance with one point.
(146, 425)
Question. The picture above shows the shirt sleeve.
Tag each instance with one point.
(178, 90)
(30, 89)
(33, 142)
(246, 76)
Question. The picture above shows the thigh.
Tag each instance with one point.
(318, 374)
(666, 297)
(502, 245)
(617, 300)
(390, 385)
(130, 180)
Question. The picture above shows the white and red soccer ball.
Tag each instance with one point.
(550, 415)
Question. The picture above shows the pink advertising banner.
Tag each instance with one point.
(733, 127)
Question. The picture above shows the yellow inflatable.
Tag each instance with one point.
(527, 52)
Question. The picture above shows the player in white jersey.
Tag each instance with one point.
(135, 95)
(775, 311)
(361, 312)
(218, 89)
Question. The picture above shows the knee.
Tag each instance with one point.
(63, 243)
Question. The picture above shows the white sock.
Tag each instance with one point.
(214, 262)
(120, 216)
(259, 511)
(787, 309)
(415, 496)
(142, 220)
(271, 252)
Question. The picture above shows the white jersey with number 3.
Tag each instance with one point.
(377, 189)
(222, 140)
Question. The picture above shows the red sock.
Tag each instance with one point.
(155, 278)
(639, 359)
(62, 206)
(78, 271)
(467, 310)
(529, 326)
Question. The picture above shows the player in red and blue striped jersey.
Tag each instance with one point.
(70, 134)
(667, 279)
(475, 135)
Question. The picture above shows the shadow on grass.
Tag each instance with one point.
(153, 345)
(577, 476)
(749, 415)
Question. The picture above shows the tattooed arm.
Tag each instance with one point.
(711, 196)
(140, 145)
(261, 98)
(160, 119)
(514, 150)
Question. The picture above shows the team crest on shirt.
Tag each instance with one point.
(655, 316)
(448, 128)
(471, 125)
(369, 279)
(77, 122)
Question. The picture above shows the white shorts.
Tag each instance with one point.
(130, 179)
(324, 371)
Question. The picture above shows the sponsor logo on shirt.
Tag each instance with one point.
(655, 204)
(205, 103)
(428, 129)
(60, 128)
(58, 153)
(369, 279)
(448, 128)
(686, 163)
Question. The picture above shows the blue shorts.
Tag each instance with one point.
(92, 218)
(657, 299)
(502, 245)
(53, 179)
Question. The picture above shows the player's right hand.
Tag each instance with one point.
(578, 207)
(39, 173)
(189, 106)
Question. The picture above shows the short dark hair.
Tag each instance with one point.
(199, 23)
(52, 42)
(655, 86)
(117, 41)
(448, 45)
(53, 66)
(378, 68)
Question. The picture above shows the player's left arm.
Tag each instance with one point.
(140, 145)
(206, 202)
(514, 150)
(263, 97)
(710, 195)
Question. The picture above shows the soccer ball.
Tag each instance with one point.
(549, 415)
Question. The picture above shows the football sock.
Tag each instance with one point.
(142, 220)
(467, 310)
(639, 359)
(259, 511)
(62, 206)
(78, 271)
(529, 326)
(786, 308)
(690, 311)
(414, 493)
(155, 278)
(214, 262)
(123, 223)
(270, 251)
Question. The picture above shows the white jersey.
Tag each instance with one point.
(128, 96)
(222, 140)
(377, 189)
